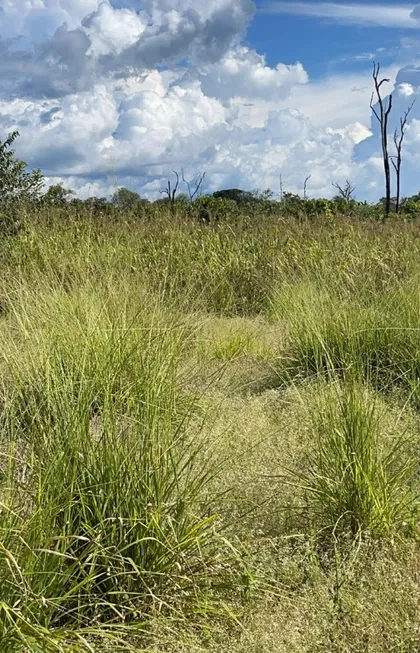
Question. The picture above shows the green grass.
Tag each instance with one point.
(356, 479)
(209, 435)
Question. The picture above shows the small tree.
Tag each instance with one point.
(15, 183)
(305, 186)
(171, 190)
(194, 186)
(127, 200)
(57, 195)
(383, 117)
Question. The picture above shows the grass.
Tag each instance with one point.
(209, 436)
(357, 480)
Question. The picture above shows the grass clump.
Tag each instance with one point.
(105, 521)
(355, 480)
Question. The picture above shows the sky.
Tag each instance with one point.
(111, 93)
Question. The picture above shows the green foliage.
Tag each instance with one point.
(93, 206)
(15, 183)
(127, 200)
(180, 200)
(110, 523)
(135, 353)
(411, 208)
(297, 207)
(234, 194)
(212, 209)
(380, 342)
(57, 196)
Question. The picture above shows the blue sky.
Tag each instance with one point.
(110, 93)
(321, 43)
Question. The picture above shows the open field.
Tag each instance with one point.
(210, 436)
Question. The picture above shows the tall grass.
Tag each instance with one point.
(104, 518)
(357, 480)
(107, 519)
(378, 340)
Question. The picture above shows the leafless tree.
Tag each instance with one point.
(346, 191)
(397, 160)
(382, 117)
(281, 188)
(171, 190)
(305, 197)
(194, 185)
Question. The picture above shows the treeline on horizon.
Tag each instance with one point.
(22, 189)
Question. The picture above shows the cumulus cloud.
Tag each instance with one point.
(406, 90)
(39, 18)
(104, 40)
(244, 73)
(117, 92)
(112, 30)
(90, 137)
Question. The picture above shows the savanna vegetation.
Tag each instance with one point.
(210, 432)
(210, 422)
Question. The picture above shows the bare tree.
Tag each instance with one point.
(171, 191)
(346, 191)
(194, 185)
(281, 187)
(383, 117)
(397, 160)
(305, 197)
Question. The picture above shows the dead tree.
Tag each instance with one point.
(281, 188)
(346, 191)
(195, 185)
(171, 191)
(305, 197)
(383, 117)
(397, 160)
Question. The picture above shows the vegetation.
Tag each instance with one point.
(210, 429)
(15, 182)
(210, 420)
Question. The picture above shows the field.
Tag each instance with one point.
(210, 435)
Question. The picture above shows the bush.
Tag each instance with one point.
(212, 209)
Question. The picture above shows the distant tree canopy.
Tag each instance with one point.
(182, 198)
(15, 182)
(236, 194)
(127, 200)
(57, 195)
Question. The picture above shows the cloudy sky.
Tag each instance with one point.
(109, 93)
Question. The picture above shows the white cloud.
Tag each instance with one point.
(244, 73)
(108, 41)
(91, 137)
(111, 30)
(39, 18)
(116, 96)
(398, 15)
(406, 90)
